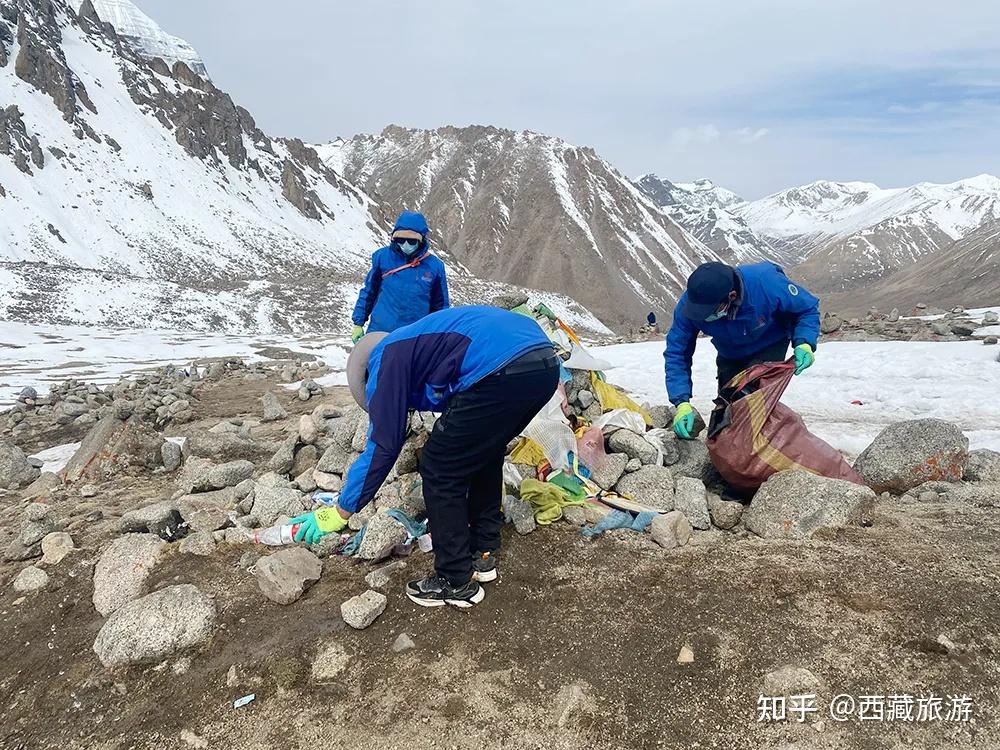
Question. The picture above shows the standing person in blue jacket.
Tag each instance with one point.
(489, 371)
(752, 314)
(406, 282)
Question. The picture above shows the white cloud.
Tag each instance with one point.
(749, 135)
(682, 138)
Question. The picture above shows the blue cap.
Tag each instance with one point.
(708, 287)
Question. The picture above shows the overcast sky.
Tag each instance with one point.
(757, 96)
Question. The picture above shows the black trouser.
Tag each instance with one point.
(730, 368)
(462, 463)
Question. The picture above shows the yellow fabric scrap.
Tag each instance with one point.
(611, 398)
(547, 499)
(528, 452)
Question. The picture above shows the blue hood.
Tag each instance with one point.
(412, 221)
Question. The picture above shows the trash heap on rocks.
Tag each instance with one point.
(946, 325)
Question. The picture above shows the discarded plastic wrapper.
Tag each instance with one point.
(325, 499)
(245, 700)
(581, 359)
(624, 418)
(551, 430)
(425, 543)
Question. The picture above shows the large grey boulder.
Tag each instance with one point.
(156, 626)
(652, 486)
(208, 511)
(633, 446)
(113, 447)
(381, 534)
(907, 454)
(691, 499)
(224, 475)
(284, 576)
(335, 459)
(273, 410)
(607, 476)
(271, 502)
(162, 519)
(692, 460)
(171, 454)
(797, 504)
(284, 458)
(224, 446)
(124, 569)
(983, 466)
(15, 471)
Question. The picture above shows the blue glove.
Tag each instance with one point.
(319, 523)
(804, 358)
(684, 421)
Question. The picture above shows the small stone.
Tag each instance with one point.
(402, 643)
(382, 534)
(608, 475)
(686, 655)
(361, 611)
(725, 514)
(284, 576)
(575, 515)
(273, 411)
(224, 475)
(586, 398)
(327, 482)
(634, 464)
(382, 577)
(88, 490)
(990, 340)
(520, 513)
(671, 530)
(691, 499)
(308, 433)
(171, 454)
(791, 680)
(304, 394)
(232, 677)
(331, 661)
(31, 579)
(162, 519)
(55, 547)
(632, 445)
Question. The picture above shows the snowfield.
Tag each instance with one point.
(894, 380)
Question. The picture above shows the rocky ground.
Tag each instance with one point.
(136, 610)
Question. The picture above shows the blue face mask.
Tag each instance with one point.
(717, 316)
(407, 247)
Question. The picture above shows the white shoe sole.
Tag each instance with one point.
(485, 576)
(460, 603)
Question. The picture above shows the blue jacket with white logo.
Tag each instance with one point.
(400, 290)
(770, 309)
(421, 366)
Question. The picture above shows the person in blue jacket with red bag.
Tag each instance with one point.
(489, 371)
(405, 283)
(752, 313)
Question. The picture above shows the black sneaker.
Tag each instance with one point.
(435, 591)
(484, 567)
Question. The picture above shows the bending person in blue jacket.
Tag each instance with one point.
(751, 312)
(489, 371)
(405, 283)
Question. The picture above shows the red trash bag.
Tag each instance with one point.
(752, 435)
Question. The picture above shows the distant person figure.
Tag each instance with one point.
(751, 312)
(651, 320)
(406, 282)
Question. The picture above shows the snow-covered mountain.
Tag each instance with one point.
(137, 194)
(533, 210)
(706, 211)
(145, 35)
(853, 233)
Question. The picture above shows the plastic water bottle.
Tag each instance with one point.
(278, 535)
(325, 499)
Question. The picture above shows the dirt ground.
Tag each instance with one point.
(575, 646)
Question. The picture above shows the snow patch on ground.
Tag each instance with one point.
(55, 459)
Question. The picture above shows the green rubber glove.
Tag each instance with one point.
(684, 421)
(804, 358)
(357, 333)
(318, 524)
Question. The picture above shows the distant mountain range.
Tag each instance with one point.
(134, 192)
(533, 210)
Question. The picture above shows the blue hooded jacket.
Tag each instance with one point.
(392, 298)
(771, 309)
(421, 366)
